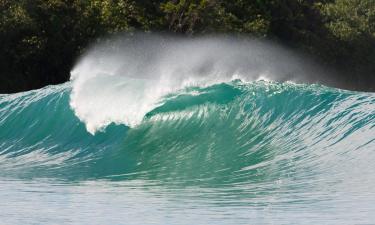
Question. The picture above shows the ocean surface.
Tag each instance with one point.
(231, 152)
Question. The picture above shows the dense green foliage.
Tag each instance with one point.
(40, 39)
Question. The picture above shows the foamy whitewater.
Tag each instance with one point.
(122, 80)
(158, 130)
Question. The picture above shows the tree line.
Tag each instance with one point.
(41, 39)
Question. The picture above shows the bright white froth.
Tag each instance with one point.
(123, 79)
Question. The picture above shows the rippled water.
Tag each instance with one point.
(142, 202)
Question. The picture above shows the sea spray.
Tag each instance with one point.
(123, 78)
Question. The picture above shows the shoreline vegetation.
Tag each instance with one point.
(41, 39)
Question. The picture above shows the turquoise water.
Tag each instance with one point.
(227, 153)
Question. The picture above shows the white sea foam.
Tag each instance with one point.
(119, 81)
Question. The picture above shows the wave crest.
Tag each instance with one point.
(123, 79)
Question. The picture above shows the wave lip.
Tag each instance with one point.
(123, 79)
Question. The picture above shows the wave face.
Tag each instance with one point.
(259, 131)
(246, 142)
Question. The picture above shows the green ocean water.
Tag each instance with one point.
(228, 153)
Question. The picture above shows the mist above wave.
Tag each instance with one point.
(124, 77)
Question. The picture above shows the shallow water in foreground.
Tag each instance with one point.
(137, 202)
(230, 153)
